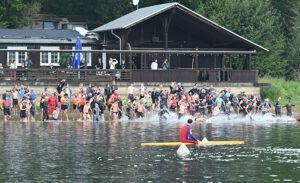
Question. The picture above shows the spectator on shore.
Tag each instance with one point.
(154, 65)
(13, 67)
(89, 89)
(165, 65)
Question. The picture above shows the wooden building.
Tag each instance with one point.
(172, 26)
(28, 39)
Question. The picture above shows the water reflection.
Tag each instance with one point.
(111, 151)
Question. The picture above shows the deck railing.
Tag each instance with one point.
(96, 75)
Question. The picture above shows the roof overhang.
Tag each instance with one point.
(113, 25)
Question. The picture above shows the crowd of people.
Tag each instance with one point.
(91, 103)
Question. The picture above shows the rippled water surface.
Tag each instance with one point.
(111, 152)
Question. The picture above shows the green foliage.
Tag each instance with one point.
(65, 59)
(12, 13)
(274, 24)
(255, 20)
(294, 50)
(280, 88)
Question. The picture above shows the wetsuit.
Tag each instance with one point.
(186, 135)
(235, 107)
(162, 113)
(289, 109)
(277, 108)
(243, 108)
(45, 110)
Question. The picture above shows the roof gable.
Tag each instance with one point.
(146, 13)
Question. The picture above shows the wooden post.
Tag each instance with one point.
(223, 61)
(215, 61)
(85, 65)
(255, 62)
(196, 60)
(142, 60)
(249, 61)
(230, 62)
(166, 21)
(130, 61)
(166, 32)
(240, 61)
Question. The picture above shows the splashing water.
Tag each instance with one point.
(172, 117)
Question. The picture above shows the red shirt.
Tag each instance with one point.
(52, 101)
(6, 103)
(82, 102)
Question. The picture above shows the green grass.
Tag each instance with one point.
(280, 88)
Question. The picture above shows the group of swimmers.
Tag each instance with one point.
(92, 102)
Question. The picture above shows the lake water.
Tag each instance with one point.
(111, 152)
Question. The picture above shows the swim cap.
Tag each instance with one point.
(190, 121)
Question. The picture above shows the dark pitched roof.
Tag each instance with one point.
(143, 14)
(34, 33)
(134, 17)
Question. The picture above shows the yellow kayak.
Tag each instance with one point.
(201, 143)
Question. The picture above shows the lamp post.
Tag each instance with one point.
(136, 3)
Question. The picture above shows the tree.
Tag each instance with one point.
(294, 49)
(255, 20)
(12, 13)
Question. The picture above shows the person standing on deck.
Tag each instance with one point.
(186, 135)
(154, 65)
(165, 65)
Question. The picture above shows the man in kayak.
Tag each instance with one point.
(186, 133)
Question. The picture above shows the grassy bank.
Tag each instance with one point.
(280, 88)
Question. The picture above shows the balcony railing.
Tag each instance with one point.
(96, 75)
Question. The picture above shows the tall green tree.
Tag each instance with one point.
(255, 20)
(12, 13)
(294, 49)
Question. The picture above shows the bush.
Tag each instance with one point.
(65, 59)
(280, 88)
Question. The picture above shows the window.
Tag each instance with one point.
(88, 55)
(50, 25)
(64, 26)
(47, 58)
(19, 56)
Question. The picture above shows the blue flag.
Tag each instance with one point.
(77, 55)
